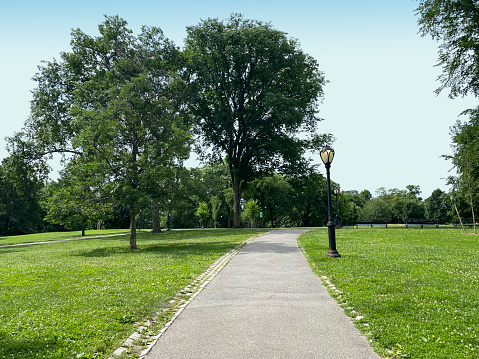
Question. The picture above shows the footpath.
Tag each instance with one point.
(266, 303)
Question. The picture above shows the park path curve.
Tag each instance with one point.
(266, 303)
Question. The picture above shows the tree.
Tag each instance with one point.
(229, 201)
(78, 199)
(377, 208)
(112, 101)
(310, 199)
(455, 23)
(358, 198)
(413, 208)
(437, 206)
(252, 91)
(413, 191)
(274, 194)
(251, 211)
(20, 192)
(350, 212)
(366, 194)
(215, 203)
(465, 159)
(202, 212)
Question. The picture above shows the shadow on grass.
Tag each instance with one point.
(167, 248)
(7, 250)
(18, 347)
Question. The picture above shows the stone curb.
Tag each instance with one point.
(181, 301)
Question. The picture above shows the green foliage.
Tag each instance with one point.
(274, 194)
(349, 212)
(454, 23)
(195, 185)
(465, 159)
(82, 299)
(20, 192)
(78, 200)
(215, 203)
(395, 204)
(252, 90)
(112, 102)
(251, 211)
(438, 206)
(414, 294)
(310, 199)
(350, 205)
(377, 208)
(202, 212)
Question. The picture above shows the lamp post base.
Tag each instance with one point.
(333, 253)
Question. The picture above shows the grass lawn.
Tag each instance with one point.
(82, 299)
(413, 292)
(55, 236)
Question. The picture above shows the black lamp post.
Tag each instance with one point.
(168, 221)
(327, 155)
(336, 192)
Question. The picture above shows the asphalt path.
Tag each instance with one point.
(266, 303)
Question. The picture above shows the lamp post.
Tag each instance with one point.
(327, 155)
(336, 192)
(168, 221)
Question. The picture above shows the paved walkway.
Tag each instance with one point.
(266, 303)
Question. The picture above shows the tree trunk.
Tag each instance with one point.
(306, 216)
(471, 195)
(156, 217)
(229, 217)
(83, 229)
(472, 210)
(7, 224)
(133, 226)
(236, 204)
(271, 215)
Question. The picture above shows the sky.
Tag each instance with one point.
(391, 129)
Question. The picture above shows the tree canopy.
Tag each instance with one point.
(465, 159)
(252, 91)
(111, 101)
(456, 24)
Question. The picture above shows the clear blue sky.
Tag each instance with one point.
(380, 104)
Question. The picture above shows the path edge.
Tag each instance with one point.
(182, 299)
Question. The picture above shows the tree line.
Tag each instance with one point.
(124, 112)
(201, 197)
(454, 25)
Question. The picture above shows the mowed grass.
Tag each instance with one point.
(413, 292)
(82, 299)
(55, 236)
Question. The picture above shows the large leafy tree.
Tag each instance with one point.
(253, 90)
(20, 192)
(456, 24)
(465, 159)
(111, 100)
(438, 206)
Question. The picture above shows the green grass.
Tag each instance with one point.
(55, 236)
(417, 290)
(82, 299)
